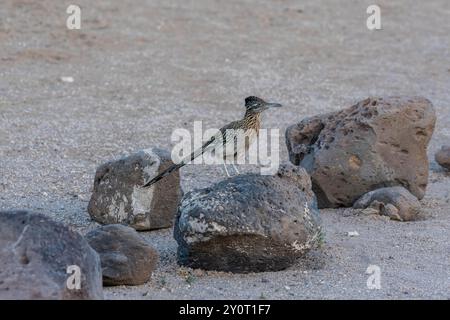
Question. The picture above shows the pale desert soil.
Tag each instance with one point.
(142, 68)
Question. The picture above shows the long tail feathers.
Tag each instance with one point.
(207, 146)
(163, 174)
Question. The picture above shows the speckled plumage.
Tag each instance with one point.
(224, 143)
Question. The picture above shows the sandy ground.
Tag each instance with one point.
(143, 68)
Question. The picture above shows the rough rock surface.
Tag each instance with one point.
(249, 222)
(126, 258)
(443, 157)
(35, 254)
(378, 142)
(395, 202)
(118, 197)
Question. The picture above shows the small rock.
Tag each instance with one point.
(370, 211)
(391, 211)
(266, 222)
(353, 234)
(376, 142)
(118, 197)
(394, 202)
(443, 157)
(126, 258)
(39, 257)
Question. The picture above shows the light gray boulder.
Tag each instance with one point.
(119, 198)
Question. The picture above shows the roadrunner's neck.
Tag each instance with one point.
(252, 120)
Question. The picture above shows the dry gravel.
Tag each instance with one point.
(142, 68)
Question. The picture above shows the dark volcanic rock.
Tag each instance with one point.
(395, 202)
(249, 222)
(126, 258)
(119, 198)
(379, 142)
(443, 157)
(36, 255)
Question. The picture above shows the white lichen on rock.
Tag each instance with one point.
(308, 244)
(141, 200)
(117, 208)
(200, 230)
(151, 170)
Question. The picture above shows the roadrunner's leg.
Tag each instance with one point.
(226, 170)
(235, 169)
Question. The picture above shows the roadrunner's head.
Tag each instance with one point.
(255, 104)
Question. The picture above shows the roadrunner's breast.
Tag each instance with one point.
(238, 137)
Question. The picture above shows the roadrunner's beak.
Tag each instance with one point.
(271, 105)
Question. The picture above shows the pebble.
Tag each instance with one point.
(67, 79)
(443, 157)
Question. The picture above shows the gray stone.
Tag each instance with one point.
(35, 254)
(249, 222)
(118, 197)
(443, 157)
(394, 202)
(379, 142)
(126, 258)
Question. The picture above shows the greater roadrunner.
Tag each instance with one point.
(224, 143)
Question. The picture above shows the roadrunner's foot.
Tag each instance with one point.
(235, 168)
(226, 170)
